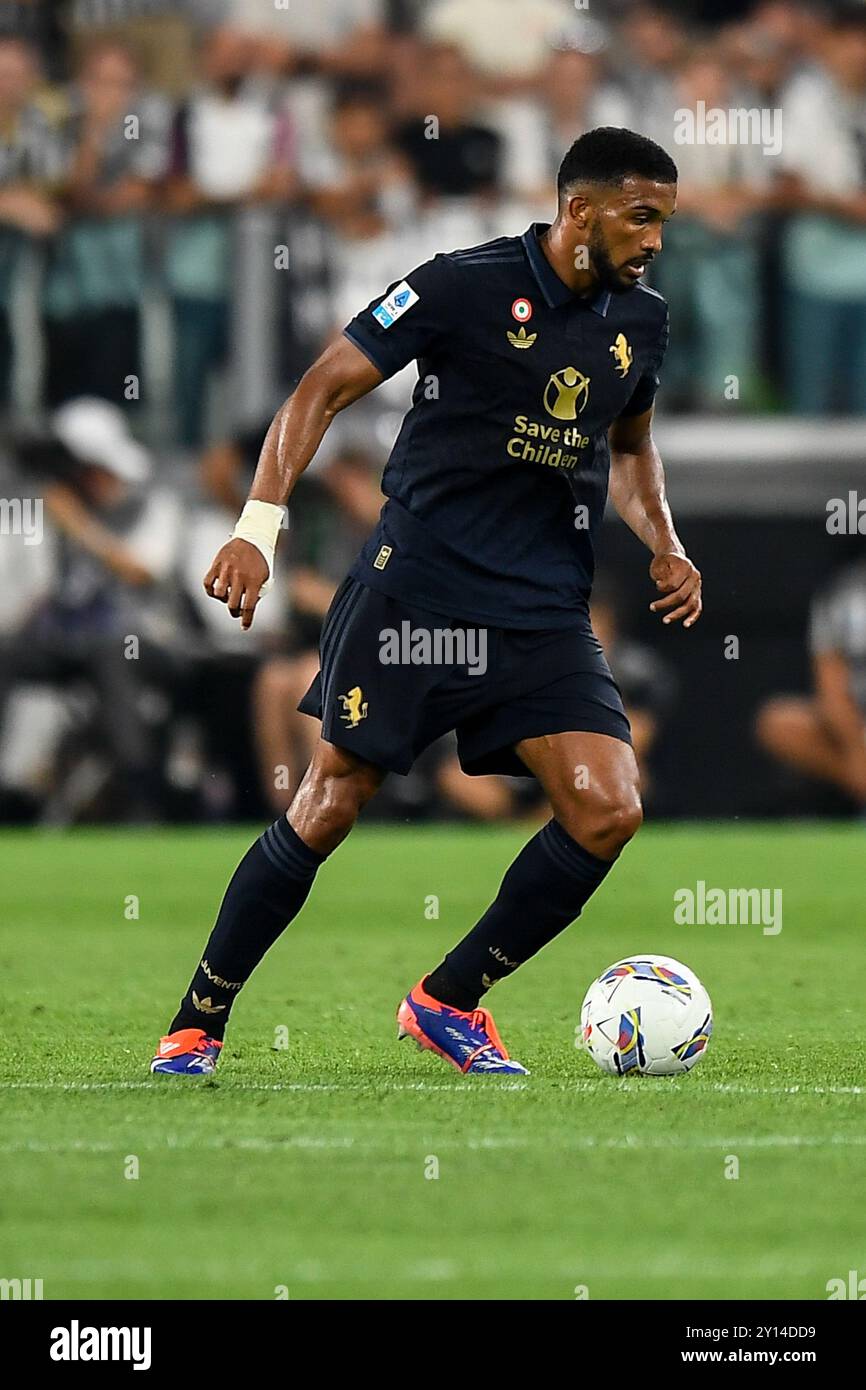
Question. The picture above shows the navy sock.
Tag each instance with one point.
(268, 889)
(543, 891)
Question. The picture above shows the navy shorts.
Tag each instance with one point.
(394, 678)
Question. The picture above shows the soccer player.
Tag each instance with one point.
(467, 609)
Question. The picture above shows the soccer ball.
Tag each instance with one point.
(647, 1016)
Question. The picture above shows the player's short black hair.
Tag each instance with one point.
(611, 155)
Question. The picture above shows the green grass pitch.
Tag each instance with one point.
(307, 1169)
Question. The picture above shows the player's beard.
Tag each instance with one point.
(600, 263)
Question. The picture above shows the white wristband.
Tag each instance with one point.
(260, 524)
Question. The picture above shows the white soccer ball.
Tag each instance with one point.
(646, 1016)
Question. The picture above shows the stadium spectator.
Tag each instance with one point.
(824, 248)
(710, 271)
(160, 32)
(30, 164)
(378, 227)
(343, 38)
(451, 154)
(355, 180)
(763, 50)
(575, 94)
(40, 24)
(824, 734)
(114, 154)
(487, 798)
(788, 27)
(109, 623)
(507, 43)
(230, 147)
(654, 45)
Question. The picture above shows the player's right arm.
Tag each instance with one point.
(415, 315)
(241, 568)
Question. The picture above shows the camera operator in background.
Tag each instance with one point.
(108, 624)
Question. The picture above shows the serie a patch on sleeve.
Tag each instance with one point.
(397, 302)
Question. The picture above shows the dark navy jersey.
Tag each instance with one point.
(497, 482)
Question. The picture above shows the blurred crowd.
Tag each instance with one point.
(133, 134)
(196, 196)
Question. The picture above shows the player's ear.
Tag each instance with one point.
(578, 210)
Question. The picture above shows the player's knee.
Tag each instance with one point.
(606, 826)
(340, 792)
(613, 827)
(334, 788)
(342, 798)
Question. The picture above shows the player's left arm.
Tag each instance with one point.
(637, 490)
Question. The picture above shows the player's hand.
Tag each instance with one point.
(680, 582)
(236, 578)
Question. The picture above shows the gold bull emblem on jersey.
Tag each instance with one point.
(623, 354)
(354, 707)
(566, 394)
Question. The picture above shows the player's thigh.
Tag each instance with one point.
(589, 779)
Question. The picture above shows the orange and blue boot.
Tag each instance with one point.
(469, 1041)
(188, 1052)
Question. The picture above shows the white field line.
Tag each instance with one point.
(673, 1263)
(645, 1084)
(633, 1142)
